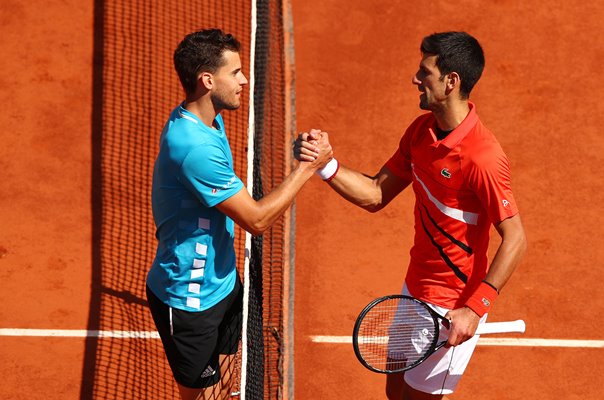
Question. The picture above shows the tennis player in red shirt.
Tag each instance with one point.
(461, 180)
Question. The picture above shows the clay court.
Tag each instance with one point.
(540, 94)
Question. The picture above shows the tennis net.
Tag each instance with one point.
(135, 87)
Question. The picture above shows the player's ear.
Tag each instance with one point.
(206, 80)
(453, 80)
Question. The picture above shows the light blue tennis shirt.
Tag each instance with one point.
(194, 267)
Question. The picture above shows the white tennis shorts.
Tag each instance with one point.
(440, 373)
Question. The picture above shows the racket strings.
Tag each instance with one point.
(395, 334)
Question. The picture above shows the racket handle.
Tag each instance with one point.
(501, 327)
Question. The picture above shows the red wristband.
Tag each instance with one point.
(482, 299)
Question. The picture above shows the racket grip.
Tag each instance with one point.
(501, 327)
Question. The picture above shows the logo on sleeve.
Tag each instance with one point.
(445, 172)
(225, 186)
(505, 203)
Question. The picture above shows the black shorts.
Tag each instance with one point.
(193, 340)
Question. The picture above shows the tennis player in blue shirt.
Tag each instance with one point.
(193, 289)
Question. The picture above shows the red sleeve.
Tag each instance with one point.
(489, 177)
(400, 162)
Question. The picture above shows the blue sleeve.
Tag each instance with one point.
(207, 173)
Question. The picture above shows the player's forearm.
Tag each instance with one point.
(357, 188)
(274, 204)
(510, 252)
(505, 261)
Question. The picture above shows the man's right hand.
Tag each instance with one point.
(313, 147)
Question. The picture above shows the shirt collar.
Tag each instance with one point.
(462, 129)
(186, 114)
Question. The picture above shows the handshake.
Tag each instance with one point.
(313, 147)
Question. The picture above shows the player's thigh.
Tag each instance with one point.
(230, 327)
(411, 394)
(441, 372)
(192, 340)
(394, 386)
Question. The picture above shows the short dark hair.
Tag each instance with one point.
(456, 52)
(201, 51)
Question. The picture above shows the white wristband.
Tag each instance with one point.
(329, 170)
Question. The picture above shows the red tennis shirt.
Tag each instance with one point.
(461, 186)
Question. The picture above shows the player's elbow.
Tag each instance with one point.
(374, 200)
(520, 241)
(517, 243)
(254, 228)
(513, 236)
(258, 229)
(372, 204)
(373, 207)
(522, 244)
(257, 225)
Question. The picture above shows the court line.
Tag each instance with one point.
(80, 333)
(524, 342)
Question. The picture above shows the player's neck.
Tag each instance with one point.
(451, 114)
(203, 108)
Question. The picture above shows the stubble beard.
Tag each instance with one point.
(221, 103)
(423, 102)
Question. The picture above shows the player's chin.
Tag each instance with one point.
(233, 105)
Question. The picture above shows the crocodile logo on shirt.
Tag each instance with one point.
(445, 172)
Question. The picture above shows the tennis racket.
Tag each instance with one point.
(396, 333)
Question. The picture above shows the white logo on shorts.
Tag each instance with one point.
(505, 203)
(208, 372)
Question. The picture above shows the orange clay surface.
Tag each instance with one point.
(540, 94)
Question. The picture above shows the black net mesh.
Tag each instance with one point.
(135, 88)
